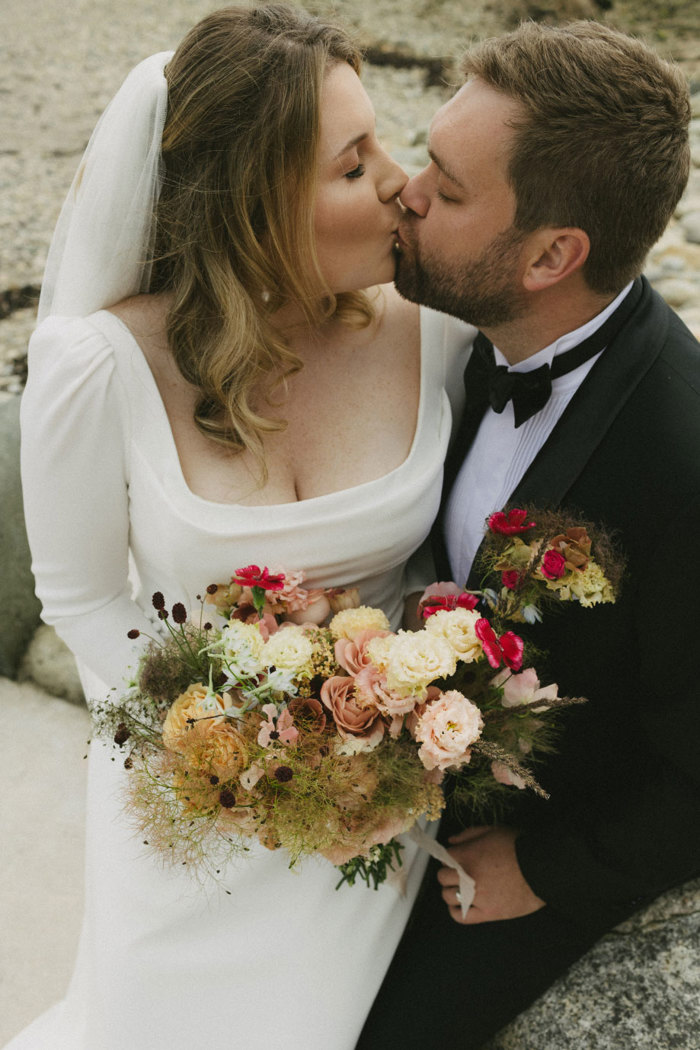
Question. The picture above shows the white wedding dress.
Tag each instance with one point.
(165, 963)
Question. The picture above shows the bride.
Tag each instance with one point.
(210, 386)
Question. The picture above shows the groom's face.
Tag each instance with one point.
(459, 250)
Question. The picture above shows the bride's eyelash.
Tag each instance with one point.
(441, 196)
(356, 173)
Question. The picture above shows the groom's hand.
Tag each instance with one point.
(488, 855)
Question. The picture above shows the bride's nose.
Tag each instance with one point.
(392, 180)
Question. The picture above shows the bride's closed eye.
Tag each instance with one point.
(356, 173)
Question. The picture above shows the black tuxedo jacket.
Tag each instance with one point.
(623, 818)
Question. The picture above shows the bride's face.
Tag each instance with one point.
(357, 209)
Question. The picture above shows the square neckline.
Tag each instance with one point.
(144, 369)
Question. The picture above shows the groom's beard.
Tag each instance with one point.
(483, 292)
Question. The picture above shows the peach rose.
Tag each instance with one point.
(351, 718)
(446, 730)
(192, 709)
(352, 654)
(371, 689)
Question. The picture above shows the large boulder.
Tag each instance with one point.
(21, 608)
(638, 987)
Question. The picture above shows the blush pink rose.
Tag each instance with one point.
(446, 730)
(351, 653)
(371, 688)
(352, 718)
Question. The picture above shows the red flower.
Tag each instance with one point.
(553, 565)
(508, 648)
(254, 576)
(511, 523)
(440, 602)
(510, 579)
(512, 647)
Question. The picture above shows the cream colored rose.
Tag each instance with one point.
(446, 729)
(290, 649)
(456, 626)
(415, 659)
(349, 622)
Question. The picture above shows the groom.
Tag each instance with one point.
(553, 171)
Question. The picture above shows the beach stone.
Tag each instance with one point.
(691, 226)
(49, 662)
(639, 987)
(21, 608)
(677, 291)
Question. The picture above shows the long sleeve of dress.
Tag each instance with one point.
(75, 441)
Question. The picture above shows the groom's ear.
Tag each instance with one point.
(554, 253)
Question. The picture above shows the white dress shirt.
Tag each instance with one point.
(501, 454)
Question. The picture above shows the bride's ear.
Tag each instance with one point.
(555, 254)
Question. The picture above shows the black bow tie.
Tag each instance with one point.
(487, 383)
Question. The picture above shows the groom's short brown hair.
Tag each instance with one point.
(603, 143)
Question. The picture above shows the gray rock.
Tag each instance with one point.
(677, 291)
(638, 987)
(691, 226)
(50, 664)
(21, 608)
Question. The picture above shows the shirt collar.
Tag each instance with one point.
(564, 342)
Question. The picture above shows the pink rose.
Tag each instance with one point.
(351, 718)
(351, 653)
(510, 579)
(446, 730)
(371, 688)
(553, 565)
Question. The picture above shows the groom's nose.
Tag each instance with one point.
(414, 195)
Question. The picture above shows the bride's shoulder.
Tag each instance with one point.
(145, 317)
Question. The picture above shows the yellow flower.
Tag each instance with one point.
(456, 626)
(591, 586)
(349, 622)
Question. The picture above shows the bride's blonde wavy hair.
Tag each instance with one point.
(235, 236)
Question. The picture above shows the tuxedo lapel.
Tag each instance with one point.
(595, 405)
(593, 408)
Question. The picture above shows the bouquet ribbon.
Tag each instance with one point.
(467, 886)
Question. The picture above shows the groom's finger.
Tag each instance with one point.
(448, 877)
(468, 834)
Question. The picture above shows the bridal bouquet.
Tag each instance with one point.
(299, 719)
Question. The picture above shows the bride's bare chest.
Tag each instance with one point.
(346, 421)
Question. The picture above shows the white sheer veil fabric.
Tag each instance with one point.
(101, 247)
